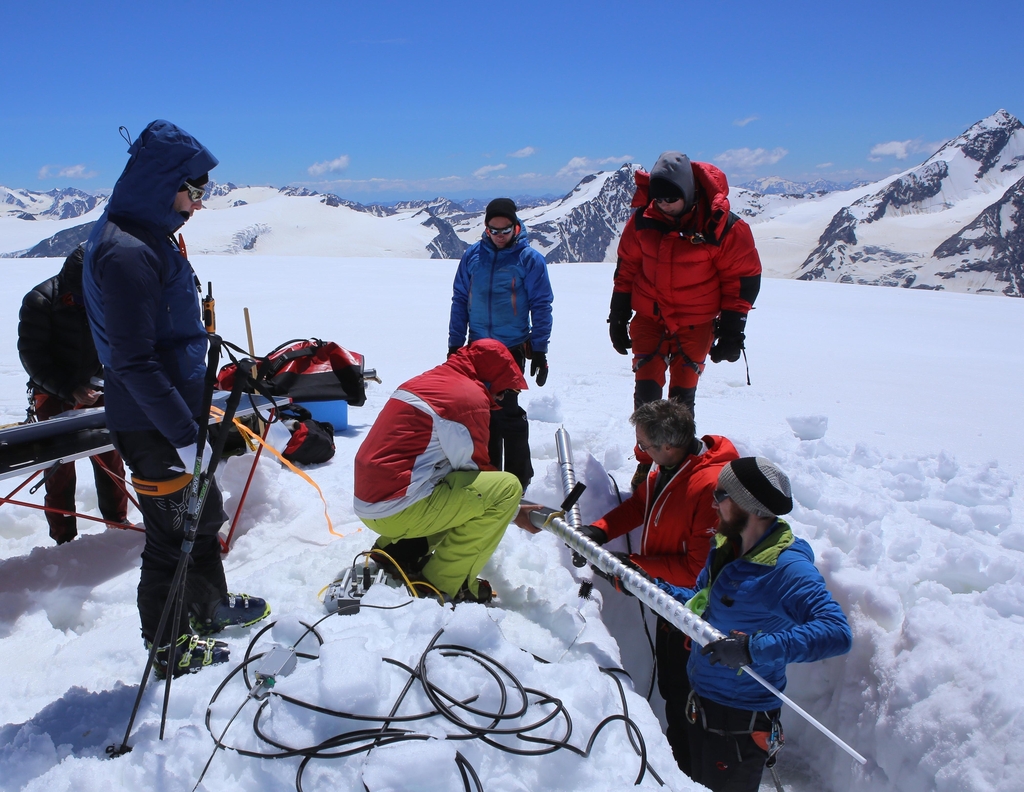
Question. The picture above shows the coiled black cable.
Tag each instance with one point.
(494, 727)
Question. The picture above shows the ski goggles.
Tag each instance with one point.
(500, 231)
(195, 194)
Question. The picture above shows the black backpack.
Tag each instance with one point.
(312, 441)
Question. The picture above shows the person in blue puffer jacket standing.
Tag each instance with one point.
(142, 300)
(760, 587)
(502, 291)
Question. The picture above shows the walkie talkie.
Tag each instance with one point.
(209, 315)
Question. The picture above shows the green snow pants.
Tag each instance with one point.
(463, 519)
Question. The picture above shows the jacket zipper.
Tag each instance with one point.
(650, 519)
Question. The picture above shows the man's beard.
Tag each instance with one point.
(732, 529)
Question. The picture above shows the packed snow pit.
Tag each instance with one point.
(911, 502)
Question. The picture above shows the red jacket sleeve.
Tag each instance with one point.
(739, 269)
(626, 516)
(630, 258)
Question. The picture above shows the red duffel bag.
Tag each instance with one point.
(308, 370)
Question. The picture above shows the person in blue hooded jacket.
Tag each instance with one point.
(502, 291)
(142, 300)
(761, 589)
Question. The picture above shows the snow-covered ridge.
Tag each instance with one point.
(56, 204)
(881, 238)
(948, 223)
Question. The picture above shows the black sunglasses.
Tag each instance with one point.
(720, 495)
(500, 231)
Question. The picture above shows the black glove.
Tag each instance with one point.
(539, 367)
(729, 337)
(453, 350)
(618, 321)
(594, 534)
(733, 651)
(615, 580)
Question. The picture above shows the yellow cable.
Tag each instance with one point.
(408, 583)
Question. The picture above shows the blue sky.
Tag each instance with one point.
(385, 100)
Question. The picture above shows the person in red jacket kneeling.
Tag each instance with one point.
(676, 509)
(423, 477)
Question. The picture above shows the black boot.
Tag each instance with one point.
(407, 555)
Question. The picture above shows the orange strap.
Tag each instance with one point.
(247, 432)
(161, 489)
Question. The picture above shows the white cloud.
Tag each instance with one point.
(70, 172)
(744, 159)
(523, 152)
(584, 166)
(901, 149)
(823, 165)
(329, 166)
(486, 169)
(894, 148)
(742, 122)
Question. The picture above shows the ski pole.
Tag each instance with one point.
(661, 603)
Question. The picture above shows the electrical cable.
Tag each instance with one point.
(493, 725)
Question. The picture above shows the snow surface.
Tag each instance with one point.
(910, 499)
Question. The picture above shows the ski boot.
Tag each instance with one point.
(407, 556)
(191, 655)
(484, 593)
(235, 610)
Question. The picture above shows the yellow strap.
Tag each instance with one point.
(161, 489)
(246, 431)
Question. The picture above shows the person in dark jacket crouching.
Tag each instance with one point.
(760, 587)
(56, 350)
(143, 305)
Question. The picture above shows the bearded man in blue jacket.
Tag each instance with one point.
(760, 587)
(142, 300)
(502, 291)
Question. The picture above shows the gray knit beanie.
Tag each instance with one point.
(672, 177)
(757, 486)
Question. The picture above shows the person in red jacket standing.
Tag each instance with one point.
(676, 509)
(689, 269)
(423, 477)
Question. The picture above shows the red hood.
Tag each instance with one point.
(489, 362)
(714, 196)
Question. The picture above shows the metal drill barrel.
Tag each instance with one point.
(563, 447)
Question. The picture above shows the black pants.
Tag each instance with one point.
(150, 457)
(509, 444)
(724, 751)
(672, 651)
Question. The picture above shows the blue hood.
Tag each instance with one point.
(162, 158)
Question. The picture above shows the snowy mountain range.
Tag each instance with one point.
(55, 204)
(953, 222)
(776, 185)
(904, 231)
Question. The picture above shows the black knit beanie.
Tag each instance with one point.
(757, 486)
(501, 207)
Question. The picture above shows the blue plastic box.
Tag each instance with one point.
(334, 412)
